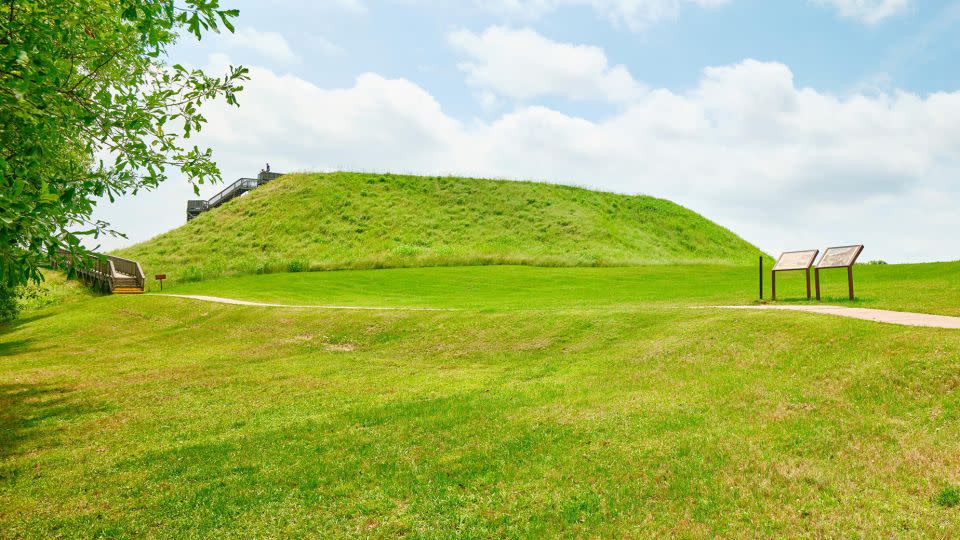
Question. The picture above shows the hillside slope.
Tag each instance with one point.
(357, 220)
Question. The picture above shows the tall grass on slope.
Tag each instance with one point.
(306, 222)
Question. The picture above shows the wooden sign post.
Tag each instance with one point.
(838, 257)
(792, 260)
(160, 278)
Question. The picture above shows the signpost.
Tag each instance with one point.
(761, 277)
(839, 257)
(161, 277)
(789, 261)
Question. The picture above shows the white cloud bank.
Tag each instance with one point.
(272, 45)
(354, 6)
(522, 64)
(640, 14)
(868, 11)
(634, 14)
(784, 166)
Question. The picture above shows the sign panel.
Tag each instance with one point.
(840, 257)
(796, 260)
(159, 277)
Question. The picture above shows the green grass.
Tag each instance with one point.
(554, 402)
(352, 220)
(925, 288)
(493, 287)
(948, 497)
(53, 290)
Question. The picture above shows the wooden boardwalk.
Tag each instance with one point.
(112, 275)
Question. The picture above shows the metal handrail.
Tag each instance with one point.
(232, 191)
(228, 192)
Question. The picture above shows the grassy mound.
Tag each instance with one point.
(353, 220)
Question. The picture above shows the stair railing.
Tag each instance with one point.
(111, 273)
(108, 269)
(128, 267)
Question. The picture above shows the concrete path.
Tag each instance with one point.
(877, 315)
(904, 318)
(235, 302)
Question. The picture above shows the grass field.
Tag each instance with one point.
(355, 220)
(551, 402)
(925, 288)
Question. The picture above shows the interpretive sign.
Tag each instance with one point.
(796, 260)
(839, 257)
(160, 278)
(793, 260)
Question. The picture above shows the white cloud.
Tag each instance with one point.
(318, 45)
(867, 11)
(635, 14)
(271, 45)
(639, 14)
(355, 6)
(488, 100)
(784, 166)
(522, 64)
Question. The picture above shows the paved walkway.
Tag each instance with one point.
(877, 315)
(235, 302)
(904, 318)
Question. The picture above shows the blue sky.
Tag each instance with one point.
(797, 123)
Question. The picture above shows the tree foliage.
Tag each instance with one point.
(90, 109)
(8, 303)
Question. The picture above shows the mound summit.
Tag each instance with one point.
(356, 220)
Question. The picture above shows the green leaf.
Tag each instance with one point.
(89, 78)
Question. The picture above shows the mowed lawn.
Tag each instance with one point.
(549, 402)
(926, 288)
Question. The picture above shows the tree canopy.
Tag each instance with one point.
(90, 108)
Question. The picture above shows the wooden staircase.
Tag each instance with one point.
(111, 274)
(126, 284)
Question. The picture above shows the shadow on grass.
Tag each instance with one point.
(15, 346)
(10, 326)
(34, 413)
(18, 346)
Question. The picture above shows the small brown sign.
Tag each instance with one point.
(796, 260)
(160, 277)
(840, 257)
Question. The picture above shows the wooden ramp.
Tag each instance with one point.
(112, 275)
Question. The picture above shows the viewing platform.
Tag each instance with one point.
(234, 190)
